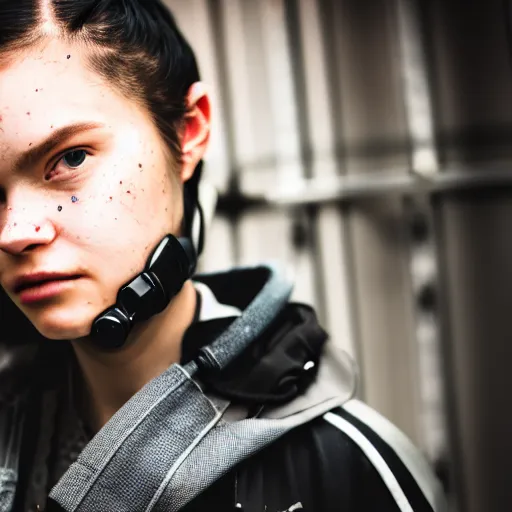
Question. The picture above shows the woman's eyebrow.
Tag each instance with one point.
(55, 139)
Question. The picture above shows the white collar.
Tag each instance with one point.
(211, 308)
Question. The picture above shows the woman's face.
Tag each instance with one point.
(86, 189)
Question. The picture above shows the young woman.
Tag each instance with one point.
(126, 385)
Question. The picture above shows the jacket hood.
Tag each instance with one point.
(193, 423)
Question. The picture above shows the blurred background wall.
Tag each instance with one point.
(368, 145)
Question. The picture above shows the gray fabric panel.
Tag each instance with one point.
(8, 479)
(225, 446)
(72, 486)
(255, 318)
(147, 455)
(105, 443)
(81, 475)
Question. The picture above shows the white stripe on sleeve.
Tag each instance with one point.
(410, 456)
(374, 457)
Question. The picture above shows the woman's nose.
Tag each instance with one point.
(23, 230)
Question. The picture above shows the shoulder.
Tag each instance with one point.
(351, 458)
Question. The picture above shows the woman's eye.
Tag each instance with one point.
(70, 160)
(74, 158)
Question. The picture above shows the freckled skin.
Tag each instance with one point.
(105, 236)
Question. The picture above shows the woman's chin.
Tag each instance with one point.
(63, 323)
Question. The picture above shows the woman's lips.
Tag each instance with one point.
(44, 290)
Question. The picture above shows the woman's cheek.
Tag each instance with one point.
(90, 217)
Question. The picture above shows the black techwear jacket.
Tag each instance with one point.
(259, 416)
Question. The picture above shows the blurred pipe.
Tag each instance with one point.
(474, 242)
(425, 165)
(353, 188)
(475, 251)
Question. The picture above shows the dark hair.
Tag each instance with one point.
(136, 46)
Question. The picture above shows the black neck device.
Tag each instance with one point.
(149, 293)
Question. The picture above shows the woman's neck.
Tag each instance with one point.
(111, 379)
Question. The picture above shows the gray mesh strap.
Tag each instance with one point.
(254, 320)
(126, 462)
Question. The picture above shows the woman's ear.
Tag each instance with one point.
(196, 131)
